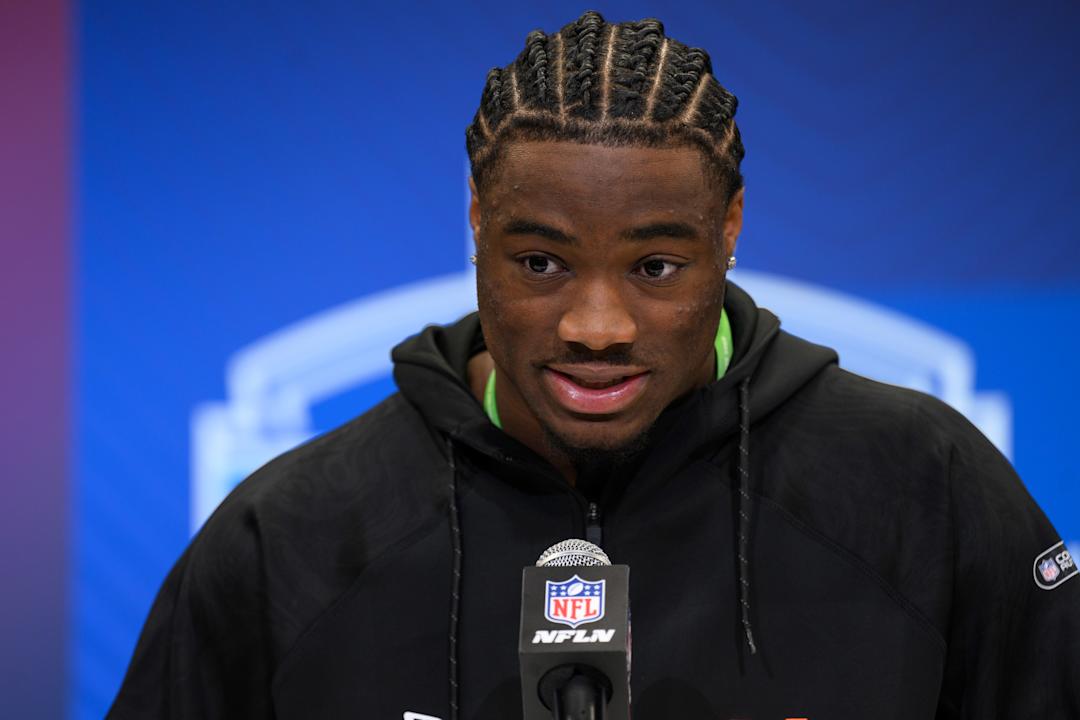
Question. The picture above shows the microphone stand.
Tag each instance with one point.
(575, 692)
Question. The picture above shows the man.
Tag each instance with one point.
(803, 542)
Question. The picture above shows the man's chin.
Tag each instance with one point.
(599, 454)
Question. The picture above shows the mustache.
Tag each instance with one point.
(613, 357)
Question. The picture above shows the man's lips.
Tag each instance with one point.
(595, 390)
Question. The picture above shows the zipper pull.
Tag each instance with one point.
(593, 532)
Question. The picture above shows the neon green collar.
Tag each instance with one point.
(723, 344)
(724, 349)
(490, 406)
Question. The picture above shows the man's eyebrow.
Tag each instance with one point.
(529, 227)
(677, 230)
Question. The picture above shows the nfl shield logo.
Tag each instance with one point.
(574, 602)
(1049, 570)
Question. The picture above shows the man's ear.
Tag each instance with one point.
(474, 212)
(733, 221)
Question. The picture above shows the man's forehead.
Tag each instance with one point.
(627, 178)
(533, 157)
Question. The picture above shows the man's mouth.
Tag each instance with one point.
(598, 385)
(595, 390)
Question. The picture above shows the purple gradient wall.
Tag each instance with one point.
(35, 373)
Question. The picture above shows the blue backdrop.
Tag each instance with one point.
(253, 174)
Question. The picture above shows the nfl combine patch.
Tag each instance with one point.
(1054, 566)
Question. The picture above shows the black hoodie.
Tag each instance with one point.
(890, 559)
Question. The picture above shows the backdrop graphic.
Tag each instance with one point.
(269, 194)
(274, 384)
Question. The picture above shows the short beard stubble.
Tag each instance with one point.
(597, 466)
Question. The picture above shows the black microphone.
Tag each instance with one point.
(574, 645)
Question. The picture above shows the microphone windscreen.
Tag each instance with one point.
(573, 552)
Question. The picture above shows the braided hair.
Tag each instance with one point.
(608, 84)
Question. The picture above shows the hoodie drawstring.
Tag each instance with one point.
(744, 508)
(455, 582)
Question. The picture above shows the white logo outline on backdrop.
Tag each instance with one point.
(272, 384)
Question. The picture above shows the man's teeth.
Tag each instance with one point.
(599, 385)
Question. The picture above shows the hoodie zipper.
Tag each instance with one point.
(594, 533)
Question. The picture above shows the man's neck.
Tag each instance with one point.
(528, 433)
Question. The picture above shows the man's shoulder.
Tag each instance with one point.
(367, 482)
(390, 440)
(885, 477)
(868, 408)
(290, 541)
(850, 455)
(302, 529)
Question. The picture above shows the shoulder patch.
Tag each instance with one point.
(1054, 566)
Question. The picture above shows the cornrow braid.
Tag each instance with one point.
(533, 70)
(637, 49)
(609, 84)
(583, 61)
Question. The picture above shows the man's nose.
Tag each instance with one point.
(598, 318)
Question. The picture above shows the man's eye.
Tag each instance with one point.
(541, 265)
(659, 269)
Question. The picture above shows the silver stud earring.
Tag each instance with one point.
(472, 259)
(730, 262)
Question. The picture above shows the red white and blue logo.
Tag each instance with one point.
(1049, 570)
(574, 602)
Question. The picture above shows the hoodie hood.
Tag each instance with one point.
(768, 366)
(430, 371)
